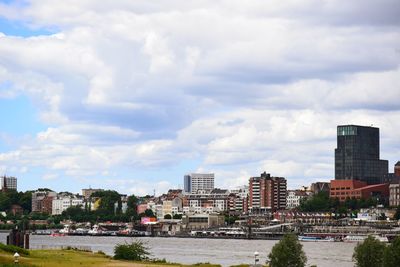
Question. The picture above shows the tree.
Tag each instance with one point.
(149, 213)
(397, 214)
(369, 253)
(168, 216)
(177, 216)
(288, 252)
(108, 199)
(131, 212)
(391, 256)
(135, 251)
(318, 202)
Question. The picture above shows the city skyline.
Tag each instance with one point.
(132, 96)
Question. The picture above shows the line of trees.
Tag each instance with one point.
(322, 202)
(106, 210)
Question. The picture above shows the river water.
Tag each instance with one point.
(190, 250)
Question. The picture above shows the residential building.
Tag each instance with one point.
(141, 208)
(343, 189)
(8, 182)
(202, 221)
(357, 154)
(198, 181)
(267, 193)
(294, 198)
(42, 201)
(86, 193)
(238, 200)
(215, 200)
(16, 209)
(394, 195)
(318, 187)
(62, 202)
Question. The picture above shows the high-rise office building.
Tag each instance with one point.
(267, 193)
(357, 154)
(194, 182)
(8, 183)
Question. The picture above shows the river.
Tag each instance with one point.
(190, 250)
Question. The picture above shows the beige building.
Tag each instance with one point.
(394, 195)
(86, 193)
(202, 221)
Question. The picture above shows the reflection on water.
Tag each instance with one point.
(188, 250)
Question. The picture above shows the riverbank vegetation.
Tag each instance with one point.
(76, 258)
(321, 202)
(372, 252)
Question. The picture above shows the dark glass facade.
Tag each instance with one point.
(357, 154)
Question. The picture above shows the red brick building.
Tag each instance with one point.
(397, 169)
(343, 189)
(267, 193)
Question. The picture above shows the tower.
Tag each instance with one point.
(357, 154)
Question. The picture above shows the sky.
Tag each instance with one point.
(132, 95)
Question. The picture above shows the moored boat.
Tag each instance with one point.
(315, 239)
(361, 238)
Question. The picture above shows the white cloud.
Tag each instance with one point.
(237, 86)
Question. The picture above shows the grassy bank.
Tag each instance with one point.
(70, 258)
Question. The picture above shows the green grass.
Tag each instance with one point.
(13, 249)
(74, 258)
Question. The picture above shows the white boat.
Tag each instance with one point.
(65, 230)
(95, 231)
(315, 239)
(361, 238)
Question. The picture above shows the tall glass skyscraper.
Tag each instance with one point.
(357, 154)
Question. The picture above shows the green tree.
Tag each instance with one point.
(168, 216)
(135, 251)
(131, 212)
(391, 256)
(397, 214)
(149, 213)
(318, 202)
(177, 216)
(108, 199)
(288, 252)
(5, 202)
(369, 253)
(25, 201)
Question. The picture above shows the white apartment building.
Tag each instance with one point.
(62, 203)
(294, 197)
(198, 181)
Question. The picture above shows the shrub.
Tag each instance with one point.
(13, 249)
(135, 251)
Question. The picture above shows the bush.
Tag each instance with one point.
(135, 251)
(13, 249)
(369, 253)
(288, 252)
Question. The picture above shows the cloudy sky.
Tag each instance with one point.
(131, 95)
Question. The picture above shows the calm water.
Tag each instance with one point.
(222, 251)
